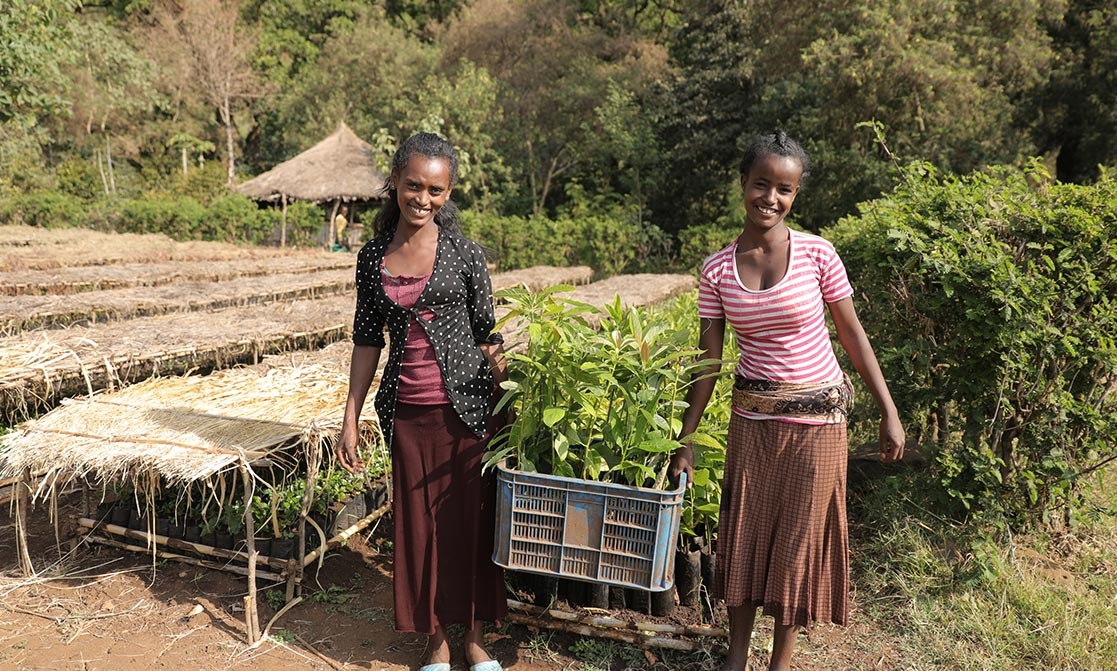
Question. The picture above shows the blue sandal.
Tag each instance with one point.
(491, 665)
(443, 666)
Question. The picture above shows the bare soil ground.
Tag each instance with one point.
(99, 608)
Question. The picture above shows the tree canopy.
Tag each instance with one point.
(560, 105)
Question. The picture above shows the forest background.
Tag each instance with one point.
(633, 112)
(964, 156)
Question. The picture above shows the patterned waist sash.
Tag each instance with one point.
(828, 402)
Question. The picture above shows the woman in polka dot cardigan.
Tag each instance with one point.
(428, 286)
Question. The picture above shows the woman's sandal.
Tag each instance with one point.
(491, 665)
(442, 666)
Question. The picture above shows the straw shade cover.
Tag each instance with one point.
(339, 168)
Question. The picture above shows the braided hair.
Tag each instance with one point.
(419, 144)
(779, 144)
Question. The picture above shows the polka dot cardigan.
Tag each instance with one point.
(460, 295)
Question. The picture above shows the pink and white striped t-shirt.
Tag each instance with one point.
(781, 331)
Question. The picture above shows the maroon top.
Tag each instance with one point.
(420, 380)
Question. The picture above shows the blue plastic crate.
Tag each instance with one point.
(595, 531)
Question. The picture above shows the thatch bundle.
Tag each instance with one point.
(20, 313)
(184, 429)
(123, 275)
(635, 290)
(538, 278)
(29, 248)
(39, 367)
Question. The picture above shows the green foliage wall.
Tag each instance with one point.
(992, 302)
(228, 218)
(608, 242)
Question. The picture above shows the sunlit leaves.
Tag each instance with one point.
(989, 300)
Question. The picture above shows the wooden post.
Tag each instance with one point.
(251, 616)
(283, 225)
(23, 487)
(295, 572)
(333, 232)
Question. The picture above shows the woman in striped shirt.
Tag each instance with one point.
(782, 534)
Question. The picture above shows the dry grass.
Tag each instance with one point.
(539, 278)
(40, 367)
(635, 290)
(183, 428)
(32, 248)
(22, 313)
(68, 280)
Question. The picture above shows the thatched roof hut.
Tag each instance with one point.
(339, 169)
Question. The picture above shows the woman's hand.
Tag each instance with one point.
(682, 462)
(891, 439)
(346, 450)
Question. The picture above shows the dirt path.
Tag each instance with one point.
(99, 609)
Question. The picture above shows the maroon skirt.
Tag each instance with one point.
(444, 513)
(782, 531)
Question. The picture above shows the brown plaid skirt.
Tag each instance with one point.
(782, 532)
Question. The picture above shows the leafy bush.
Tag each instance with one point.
(234, 218)
(698, 242)
(991, 299)
(606, 242)
(79, 177)
(179, 218)
(48, 209)
(304, 222)
(206, 184)
(519, 242)
(602, 403)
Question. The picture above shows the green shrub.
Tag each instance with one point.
(48, 209)
(991, 300)
(610, 243)
(205, 185)
(698, 242)
(179, 218)
(79, 177)
(304, 222)
(234, 218)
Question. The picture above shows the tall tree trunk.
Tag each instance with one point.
(184, 161)
(101, 169)
(108, 160)
(227, 120)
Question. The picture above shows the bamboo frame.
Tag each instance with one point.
(183, 559)
(348, 533)
(179, 544)
(22, 491)
(251, 615)
(289, 570)
(606, 622)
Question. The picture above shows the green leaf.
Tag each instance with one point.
(552, 416)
